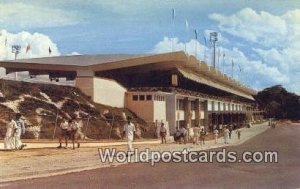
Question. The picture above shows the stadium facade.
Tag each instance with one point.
(173, 88)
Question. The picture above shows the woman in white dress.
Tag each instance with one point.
(9, 140)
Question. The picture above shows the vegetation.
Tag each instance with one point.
(279, 103)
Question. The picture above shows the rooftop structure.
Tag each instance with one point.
(172, 87)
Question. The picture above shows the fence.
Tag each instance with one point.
(47, 126)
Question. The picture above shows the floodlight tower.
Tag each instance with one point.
(213, 39)
(16, 50)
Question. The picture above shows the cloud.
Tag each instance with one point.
(263, 27)
(24, 15)
(275, 41)
(191, 47)
(39, 45)
(250, 69)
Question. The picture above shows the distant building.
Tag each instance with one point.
(174, 88)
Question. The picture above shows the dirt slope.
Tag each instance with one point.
(41, 103)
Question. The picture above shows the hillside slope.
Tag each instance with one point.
(42, 104)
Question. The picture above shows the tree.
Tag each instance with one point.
(279, 103)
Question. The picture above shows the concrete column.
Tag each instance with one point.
(86, 85)
(206, 117)
(85, 82)
(187, 112)
(197, 113)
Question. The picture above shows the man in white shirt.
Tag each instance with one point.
(9, 140)
(20, 129)
(128, 132)
(226, 135)
(216, 134)
(163, 133)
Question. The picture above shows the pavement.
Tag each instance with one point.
(35, 144)
(283, 174)
(43, 160)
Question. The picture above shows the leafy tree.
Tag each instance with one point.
(279, 103)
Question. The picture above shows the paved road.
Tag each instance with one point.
(284, 174)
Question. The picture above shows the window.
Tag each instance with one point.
(149, 97)
(202, 122)
(180, 104)
(142, 97)
(202, 106)
(135, 98)
(193, 123)
(181, 123)
(212, 105)
(193, 105)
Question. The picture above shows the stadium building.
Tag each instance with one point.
(173, 88)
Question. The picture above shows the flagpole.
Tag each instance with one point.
(173, 26)
(223, 62)
(232, 68)
(218, 59)
(204, 49)
(187, 34)
(196, 37)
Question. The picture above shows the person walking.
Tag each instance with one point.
(74, 126)
(177, 136)
(163, 133)
(238, 132)
(9, 140)
(20, 130)
(64, 127)
(196, 131)
(202, 136)
(183, 133)
(226, 135)
(129, 132)
(230, 130)
(216, 134)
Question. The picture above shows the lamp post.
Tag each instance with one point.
(213, 39)
(16, 50)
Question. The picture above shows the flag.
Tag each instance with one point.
(50, 50)
(173, 14)
(28, 48)
(240, 68)
(186, 25)
(196, 34)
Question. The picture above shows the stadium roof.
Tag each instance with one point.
(189, 66)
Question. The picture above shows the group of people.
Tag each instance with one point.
(227, 134)
(69, 131)
(14, 129)
(181, 135)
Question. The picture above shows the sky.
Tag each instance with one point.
(258, 40)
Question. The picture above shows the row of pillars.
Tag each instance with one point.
(211, 119)
(235, 119)
(188, 113)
